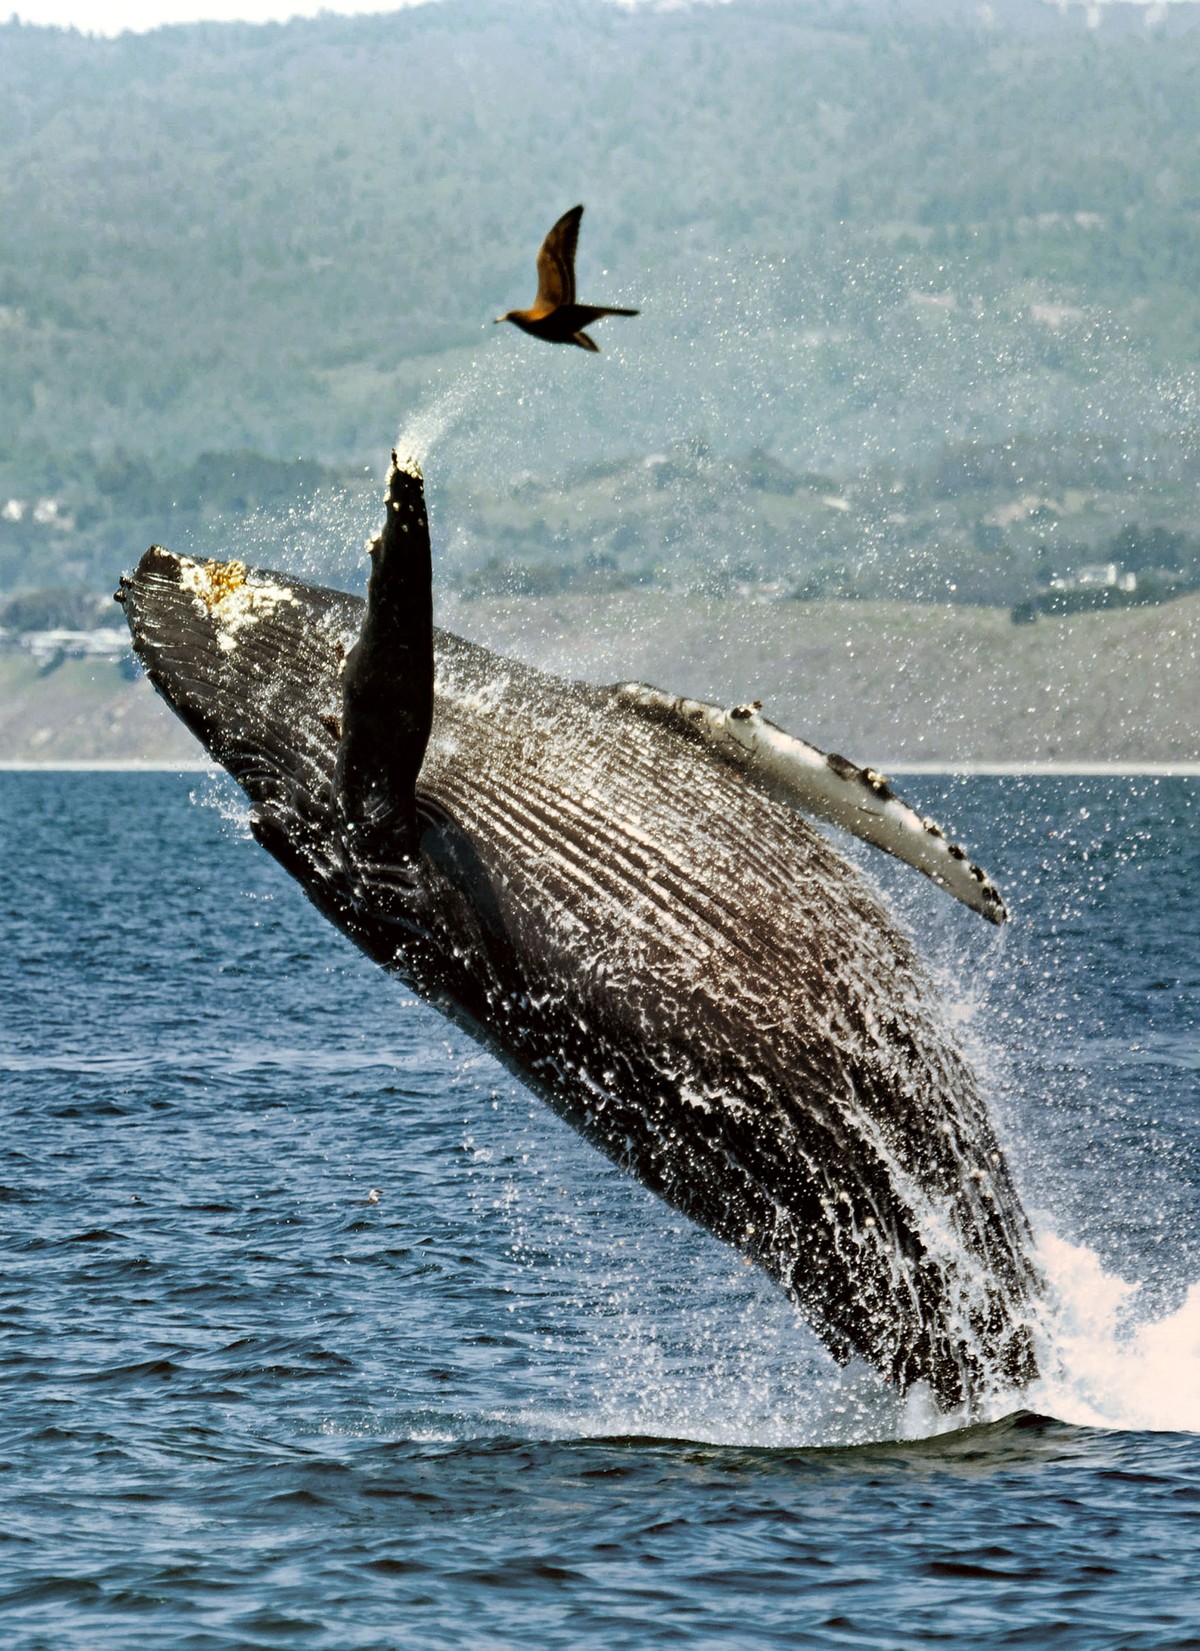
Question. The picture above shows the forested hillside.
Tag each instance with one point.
(920, 288)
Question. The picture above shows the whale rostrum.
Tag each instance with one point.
(617, 892)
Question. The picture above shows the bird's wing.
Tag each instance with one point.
(556, 263)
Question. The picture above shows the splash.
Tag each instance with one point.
(743, 1373)
(221, 795)
(645, 1326)
(740, 1369)
(480, 394)
(426, 428)
(1113, 1371)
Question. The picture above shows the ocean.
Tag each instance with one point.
(316, 1330)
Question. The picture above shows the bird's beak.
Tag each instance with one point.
(500, 318)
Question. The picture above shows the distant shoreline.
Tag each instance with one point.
(961, 770)
(909, 689)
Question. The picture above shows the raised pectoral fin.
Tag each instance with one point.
(825, 785)
(387, 688)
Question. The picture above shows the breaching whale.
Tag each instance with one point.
(614, 889)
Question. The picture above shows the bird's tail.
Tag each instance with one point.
(587, 313)
(585, 343)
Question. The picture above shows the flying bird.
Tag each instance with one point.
(554, 315)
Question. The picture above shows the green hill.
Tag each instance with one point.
(946, 258)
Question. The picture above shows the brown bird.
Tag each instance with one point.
(555, 316)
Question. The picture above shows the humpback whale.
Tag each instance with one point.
(618, 891)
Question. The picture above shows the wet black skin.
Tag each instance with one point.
(387, 688)
(681, 967)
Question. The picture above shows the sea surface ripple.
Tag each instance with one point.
(317, 1331)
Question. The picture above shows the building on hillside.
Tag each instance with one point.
(50, 648)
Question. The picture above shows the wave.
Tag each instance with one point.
(1110, 1369)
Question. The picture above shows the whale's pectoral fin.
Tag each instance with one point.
(823, 784)
(387, 705)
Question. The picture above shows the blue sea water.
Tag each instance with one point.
(317, 1331)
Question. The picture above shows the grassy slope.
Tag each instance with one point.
(83, 712)
(885, 682)
(879, 682)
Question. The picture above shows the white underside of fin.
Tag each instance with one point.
(825, 785)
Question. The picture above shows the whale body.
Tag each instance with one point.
(614, 901)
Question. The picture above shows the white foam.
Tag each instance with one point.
(1112, 1370)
